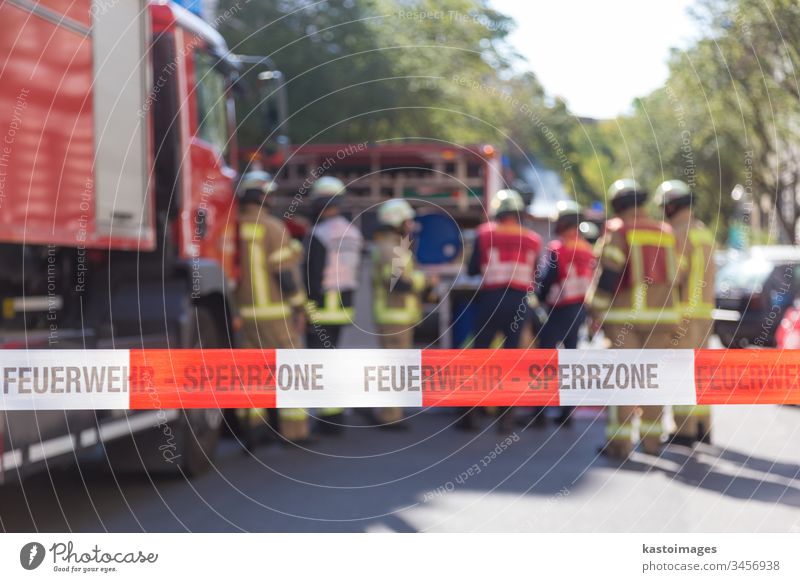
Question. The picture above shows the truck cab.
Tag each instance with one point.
(118, 219)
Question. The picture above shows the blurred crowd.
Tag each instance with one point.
(646, 283)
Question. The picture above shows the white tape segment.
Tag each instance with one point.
(633, 377)
(348, 378)
(65, 379)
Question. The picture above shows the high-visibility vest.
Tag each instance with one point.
(393, 261)
(645, 255)
(266, 249)
(508, 254)
(575, 261)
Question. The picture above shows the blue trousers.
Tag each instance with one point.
(561, 327)
(501, 311)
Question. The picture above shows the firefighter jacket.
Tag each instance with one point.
(634, 282)
(332, 270)
(566, 271)
(696, 268)
(270, 260)
(397, 284)
(505, 254)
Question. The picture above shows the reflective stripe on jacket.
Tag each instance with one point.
(396, 282)
(642, 251)
(331, 312)
(508, 255)
(695, 245)
(575, 265)
(266, 250)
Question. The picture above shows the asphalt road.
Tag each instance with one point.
(431, 477)
(434, 478)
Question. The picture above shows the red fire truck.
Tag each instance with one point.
(117, 211)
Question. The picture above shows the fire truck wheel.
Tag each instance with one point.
(201, 426)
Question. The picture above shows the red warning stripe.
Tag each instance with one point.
(747, 376)
(490, 378)
(202, 379)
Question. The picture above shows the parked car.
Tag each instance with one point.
(754, 289)
(788, 335)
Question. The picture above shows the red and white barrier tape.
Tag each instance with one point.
(156, 379)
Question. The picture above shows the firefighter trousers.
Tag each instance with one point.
(292, 423)
(562, 327)
(620, 437)
(393, 337)
(321, 336)
(501, 312)
(693, 423)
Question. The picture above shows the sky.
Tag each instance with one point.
(599, 54)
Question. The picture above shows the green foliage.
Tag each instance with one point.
(378, 69)
(728, 114)
(371, 70)
(394, 69)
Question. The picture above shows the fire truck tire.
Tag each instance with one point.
(201, 427)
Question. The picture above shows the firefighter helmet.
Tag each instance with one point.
(327, 187)
(673, 195)
(626, 193)
(326, 194)
(254, 185)
(505, 202)
(569, 215)
(395, 212)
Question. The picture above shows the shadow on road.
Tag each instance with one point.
(370, 477)
(727, 472)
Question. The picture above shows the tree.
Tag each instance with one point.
(379, 69)
(728, 114)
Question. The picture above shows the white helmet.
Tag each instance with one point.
(327, 187)
(257, 180)
(395, 212)
(505, 201)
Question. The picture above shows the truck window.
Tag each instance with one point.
(212, 121)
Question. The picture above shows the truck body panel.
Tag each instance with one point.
(72, 93)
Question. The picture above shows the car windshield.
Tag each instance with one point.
(748, 275)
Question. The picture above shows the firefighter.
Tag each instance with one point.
(397, 287)
(333, 256)
(695, 249)
(270, 296)
(634, 299)
(563, 279)
(505, 255)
